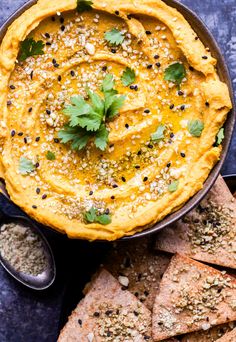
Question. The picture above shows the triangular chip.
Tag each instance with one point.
(138, 267)
(229, 337)
(208, 233)
(192, 297)
(211, 335)
(108, 313)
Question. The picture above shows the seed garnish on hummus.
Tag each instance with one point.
(112, 114)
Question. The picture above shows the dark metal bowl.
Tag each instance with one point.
(209, 41)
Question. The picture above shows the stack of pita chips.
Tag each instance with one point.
(143, 294)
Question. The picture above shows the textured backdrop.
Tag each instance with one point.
(27, 316)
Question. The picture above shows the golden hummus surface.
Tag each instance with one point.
(136, 180)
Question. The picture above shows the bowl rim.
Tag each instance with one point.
(206, 36)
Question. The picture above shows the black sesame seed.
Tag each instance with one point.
(180, 93)
(107, 211)
(136, 313)
(136, 294)
(149, 66)
(104, 68)
(59, 78)
(38, 191)
(113, 50)
(53, 19)
(172, 135)
(47, 35)
(126, 125)
(20, 134)
(108, 334)
(145, 179)
(146, 293)
(63, 28)
(62, 20)
(147, 337)
(204, 57)
(147, 111)
(139, 153)
(123, 179)
(150, 146)
(56, 65)
(182, 154)
(44, 196)
(115, 186)
(54, 61)
(207, 104)
(13, 132)
(135, 87)
(9, 103)
(191, 68)
(132, 87)
(156, 56)
(48, 43)
(90, 193)
(48, 111)
(137, 167)
(34, 206)
(117, 12)
(25, 140)
(129, 16)
(37, 165)
(182, 107)
(158, 64)
(96, 314)
(108, 312)
(72, 73)
(12, 87)
(172, 106)
(56, 140)
(31, 74)
(112, 197)
(80, 321)
(30, 109)
(148, 32)
(168, 165)
(196, 38)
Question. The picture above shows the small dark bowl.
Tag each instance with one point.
(208, 40)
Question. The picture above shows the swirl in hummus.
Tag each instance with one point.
(160, 144)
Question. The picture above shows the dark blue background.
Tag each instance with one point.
(28, 316)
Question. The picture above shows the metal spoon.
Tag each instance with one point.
(11, 213)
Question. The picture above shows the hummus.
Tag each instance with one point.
(161, 145)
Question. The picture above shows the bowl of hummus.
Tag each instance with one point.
(116, 116)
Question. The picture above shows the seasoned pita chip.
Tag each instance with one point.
(108, 313)
(229, 337)
(138, 268)
(211, 335)
(192, 297)
(208, 233)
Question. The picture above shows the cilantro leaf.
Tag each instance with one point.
(50, 155)
(26, 166)
(114, 37)
(220, 136)
(175, 73)
(108, 84)
(173, 186)
(77, 108)
(113, 104)
(101, 138)
(128, 77)
(195, 127)
(92, 217)
(84, 5)
(77, 136)
(159, 134)
(29, 47)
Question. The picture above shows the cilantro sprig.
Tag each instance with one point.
(84, 5)
(26, 166)
(175, 73)
(195, 127)
(220, 136)
(128, 77)
(92, 216)
(114, 37)
(29, 47)
(87, 119)
(159, 134)
(173, 186)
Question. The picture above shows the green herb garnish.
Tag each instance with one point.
(220, 136)
(26, 166)
(114, 37)
(173, 186)
(159, 134)
(84, 5)
(91, 216)
(128, 77)
(29, 47)
(175, 73)
(50, 155)
(87, 120)
(195, 127)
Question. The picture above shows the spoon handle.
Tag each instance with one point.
(7, 208)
